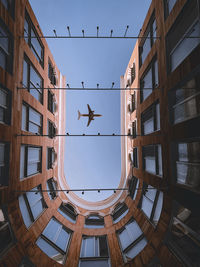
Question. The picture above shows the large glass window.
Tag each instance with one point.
(31, 120)
(179, 46)
(4, 163)
(119, 212)
(147, 43)
(185, 101)
(151, 202)
(51, 105)
(52, 187)
(68, 212)
(149, 80)
(6, 48)
(150, 119)
(31, 205)
(94, 252)
(9, 5)
(32, 38)
(187, 163)
(152, 159)
(94, 221)
(30, 160)
(51, 73)
(32, 80)
(134, 157)
(131, 239)
(54, 240)
(6, 234)
(183, 237)
(5, 106)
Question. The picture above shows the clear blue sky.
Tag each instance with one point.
(92, 162)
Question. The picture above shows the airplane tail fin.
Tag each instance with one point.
(79, 115)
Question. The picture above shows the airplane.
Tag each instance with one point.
(90, 115)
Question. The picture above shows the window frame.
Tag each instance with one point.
(51, 129)
(50, 183)
(97, 223)
(25, 175)
(51, 157)
(132, 187)
(9, 55)
(119, 210)
(66, 210)
(28, 121)
(5, 165)
(28, 38)
(7, 110)
(30, 84)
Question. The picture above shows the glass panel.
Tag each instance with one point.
(150, 192)
(159, 160)
(134, 230)
(25, 74)
(185, 47)
(34, 128)
(2, 114)
(24, 211)
(50, 250)
(63, 239)
(154, 28)
(171, 4)
(33, 154)
(2, 152)
(125, 239)
(96, 263)
(2, 60)
(158, 208)
(35, 79)
(158, 116)
(24, 118)
(121, 216)
(156, 73)
(150, 164)
(89, 250)
(188, 173)
(146, 48)
(147, 206)
(147, 83)
(52, 229)
(5, 233)
(3, 98)
(37, 209)
(66, 215)
(34, 116)
(103, 247)
(36, 45)
(4, 42)
(22, 162)
(148, 126)
(26, 30)
(136, 249)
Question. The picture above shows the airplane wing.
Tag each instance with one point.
(89, 120)
(89, 109)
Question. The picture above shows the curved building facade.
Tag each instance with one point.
(155, 222)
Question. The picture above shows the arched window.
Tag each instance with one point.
(68, 212)
(94, 221)
(119, 212)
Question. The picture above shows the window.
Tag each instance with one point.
(31, 205)
(119, 212)
(131, 239)
(5, 105)
(50, 157)
(94, 252)
(51, 73)
(31, 120)
(132, 187)
(151, 202)
(183, 237)
(4, 163)
(68, 212)
(150, 119)
(152, 159)
(146, 44)
(94, 221)
(51, 129)
(6, 234)
(185, 102)
(52, 186)
(30, 160)
(54, 240)
(178, 45)
(132, 105)
(26, 263)
(169, 4)
(6, 48)
(133, 131)
(32, 80)
(134, 157)
(32, 38)
(9, 5)
(149, 80)
(51, 102)
(187, 163)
